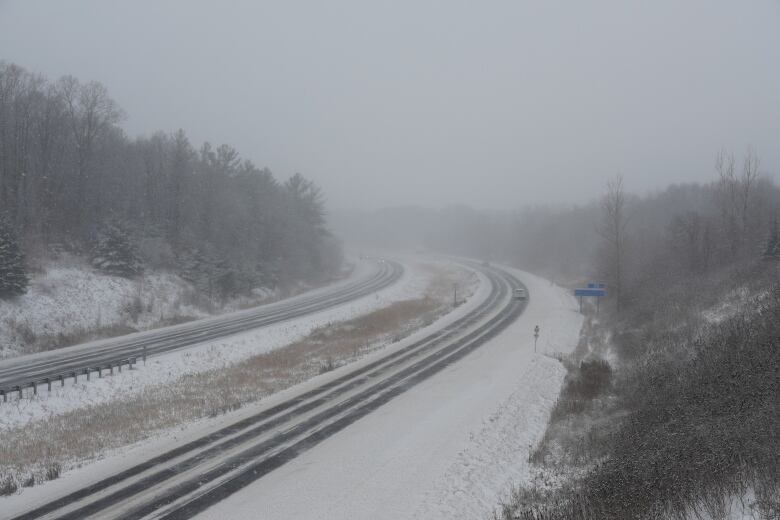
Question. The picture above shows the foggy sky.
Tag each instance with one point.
(492, 104)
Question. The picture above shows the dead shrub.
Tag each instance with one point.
(8, 486)
(133, 308)
(25, 333)
(327, 366)
(53, 470)
(594, 378)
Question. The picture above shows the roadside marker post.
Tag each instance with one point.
(536, 336)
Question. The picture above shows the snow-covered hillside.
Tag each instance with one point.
(70, 302)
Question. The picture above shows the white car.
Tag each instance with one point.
(519, 294)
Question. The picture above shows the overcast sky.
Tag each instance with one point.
(492, 104)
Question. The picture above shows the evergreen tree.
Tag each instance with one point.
(773, 242)
(13, 278)
(114, 252)
(213, 275)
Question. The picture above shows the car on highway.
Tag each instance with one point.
(519, 294)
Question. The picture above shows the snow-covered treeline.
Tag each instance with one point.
(70, 179)
(685, 228)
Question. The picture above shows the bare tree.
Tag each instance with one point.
(90, 112)
(738, 198)
(750, 197)
(613, 232)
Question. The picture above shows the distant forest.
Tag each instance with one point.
(683, 229)
(72, 180)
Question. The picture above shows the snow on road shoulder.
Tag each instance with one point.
(496, 454)
(207, 356)
(448, 448)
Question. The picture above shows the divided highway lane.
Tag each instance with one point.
(185, 481)
(37, 368)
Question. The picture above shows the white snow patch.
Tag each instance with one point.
(732, 303)
(735, 508)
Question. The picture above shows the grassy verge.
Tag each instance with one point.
(39, 451)
(685, 422)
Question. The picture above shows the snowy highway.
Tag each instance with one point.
(189, 479)
(19, 373)
(451, 448)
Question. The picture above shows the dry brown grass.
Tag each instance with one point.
(33, 452)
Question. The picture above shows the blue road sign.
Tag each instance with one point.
(596, 285)
(590, 292)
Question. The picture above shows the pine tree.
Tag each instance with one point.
(13, 278)
(773, 242)
(212, 274)
(114, 252)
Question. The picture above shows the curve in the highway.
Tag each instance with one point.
(187, 480)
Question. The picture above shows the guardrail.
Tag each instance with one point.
(18, 379)
(88, 371)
